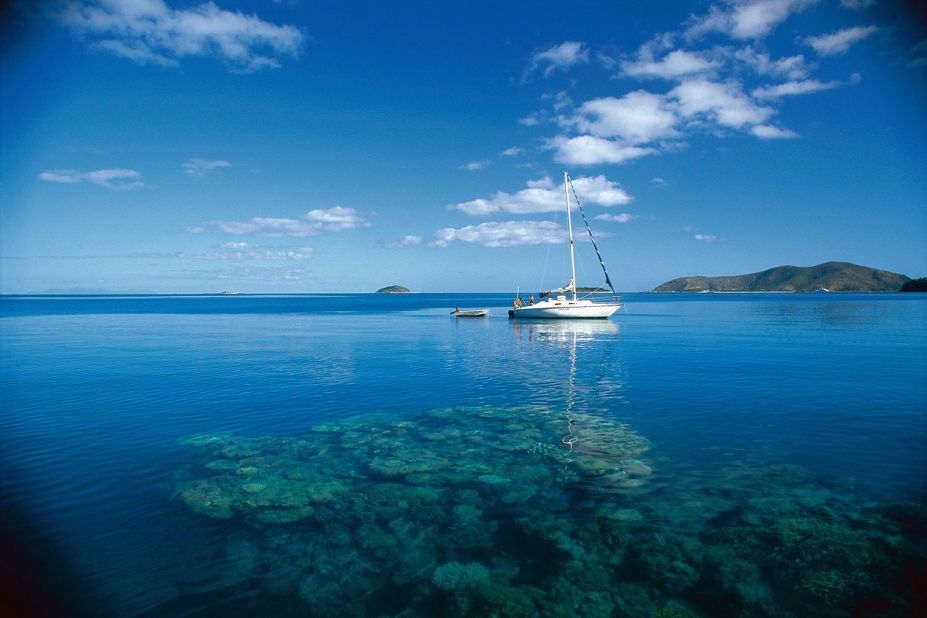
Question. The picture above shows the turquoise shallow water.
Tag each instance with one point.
(370, 455)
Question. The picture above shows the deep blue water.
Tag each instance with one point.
(97, 391)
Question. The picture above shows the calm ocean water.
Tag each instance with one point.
(367, 455)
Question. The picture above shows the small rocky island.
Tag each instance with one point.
(829, 277)
(394, 289)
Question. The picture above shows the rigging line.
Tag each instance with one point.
(589, 230)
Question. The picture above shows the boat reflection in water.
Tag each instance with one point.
(590, 432)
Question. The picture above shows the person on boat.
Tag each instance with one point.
(517, 303)
(530, 299)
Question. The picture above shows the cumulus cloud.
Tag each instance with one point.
(268, 226)
(839, 41)
(637, 117)
(503, 234)
(623, 217)
(591, 150)
(616, 130)
(765, 131)
(746, 19)
(335, 219)
(151, 32)
(330, 219)
(705, 237)
(791, 67)
(511, 152)
(724, 103)
(563, 56)
(543, 195)
(410, 240)
(200, 167)
(675, 64)
(708, 94)
(116, 178)
(793, 88)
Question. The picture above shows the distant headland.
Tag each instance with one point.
(829, 277)
(394, 289)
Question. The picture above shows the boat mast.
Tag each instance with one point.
(566, 195)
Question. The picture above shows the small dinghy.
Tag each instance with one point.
(470, 313)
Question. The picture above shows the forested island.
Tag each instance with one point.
(394, 289)
(830, 277)
(915, 285)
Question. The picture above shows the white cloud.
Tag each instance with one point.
(563, 56)
(473, 166)
(199, 167)
(529, 121)
(705, 237)
(511, 152)
(116, 178)
(150, 32)
(792, 67)
(619, 218)
(543, 195)
(793, 88)
(675, 64)
(637, 117)
(235, 245)
(330, 219)
(268, 226)
(410, 240)
(839, 41)
(746, 19)
(724, 103)
(561, 100)
(590, 150)
(504, 234)
(335, 219)
(765, 131)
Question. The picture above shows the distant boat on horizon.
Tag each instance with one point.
(559, 306)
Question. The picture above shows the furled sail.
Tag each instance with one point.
(567, 288)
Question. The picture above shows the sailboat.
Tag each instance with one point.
(562, 303)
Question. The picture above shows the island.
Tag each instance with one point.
(826, 277)
(915, 285)
(394, 289)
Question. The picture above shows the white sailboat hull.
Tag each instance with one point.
(567, 309)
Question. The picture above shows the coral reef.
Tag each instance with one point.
(518, 512)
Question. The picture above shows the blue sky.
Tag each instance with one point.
(337, 146)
